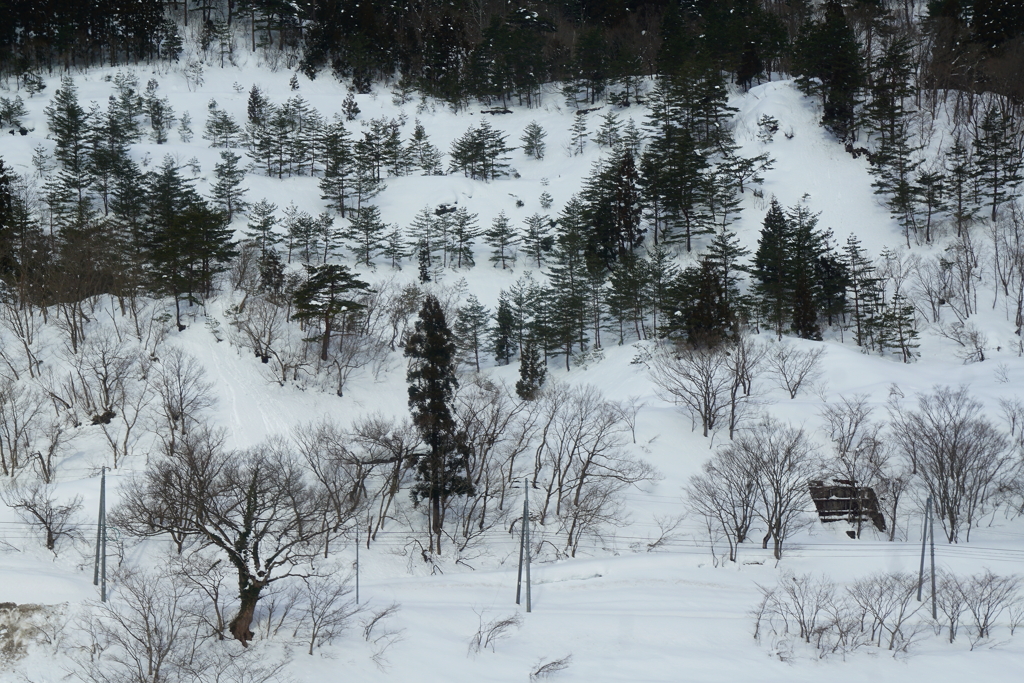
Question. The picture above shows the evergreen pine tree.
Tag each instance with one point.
(221, 129)
(610, 132)
(537, 240)
(464, 230)
(160, 112)
(69, 125)
(471, 323)
(395, 247)
(261, 227)
(961, 172)
(227, 190)
(422, 154)
(366, 235)
(502, 239)
(863, 295)
(185, 128)
(327, 293)
(804, 250)
(771, 268)
(998, 155)
(533, 140)
(828, 52)
(899, 321)
(578, 133)
(423, 256)
(338, 182)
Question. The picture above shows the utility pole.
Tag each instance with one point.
(931, 533)
(357, 564)
(524, 547)
(99, 573)
(526, 543)
(924, 542)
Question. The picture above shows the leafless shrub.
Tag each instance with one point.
(208, 579)
(725, 496)
(934, 286)
(490, 633)
(949, 599)
(972, 341)
(667, 525)
(36, 505)
(890, 600)
(581, 464)
(222, 662)
(793, 368)
(143, 634)
(22, 408)
(549, 668)
(986, 596)
(326, 610)
(878, 610)
(380, 635)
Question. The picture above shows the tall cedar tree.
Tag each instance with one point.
(432, 386)
(532, 372)
(771, 268)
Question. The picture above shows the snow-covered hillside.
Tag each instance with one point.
(626, 607)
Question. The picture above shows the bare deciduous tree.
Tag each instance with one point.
(781, 460)
(698, 379)
(725, 495)
(961, 457)
(257, 508)
(144, 632)
(326, 609)
(792, 368)
(183, 393)
(37, 506)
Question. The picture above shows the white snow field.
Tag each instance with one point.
(621, 612)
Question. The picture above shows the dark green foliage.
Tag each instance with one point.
(340, 170)
(327, 298)
(799, 278)
(502, 238)
(227, 190)
(502, 334)
(262, 227)
(188, 243)
(532, 372)
(537, 240)
(462, 233)
(221, 129)
(160, 112)
(481, 153)
(440, 470)
(827, 50)
(613, 207)
(471, 324)
(365, 235)
(533, 140)
(997, 149)
(863, 294)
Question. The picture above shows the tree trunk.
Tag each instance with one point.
(249, 595)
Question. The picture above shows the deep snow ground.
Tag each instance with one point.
(668, 615)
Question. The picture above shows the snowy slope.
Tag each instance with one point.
(623, 614)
